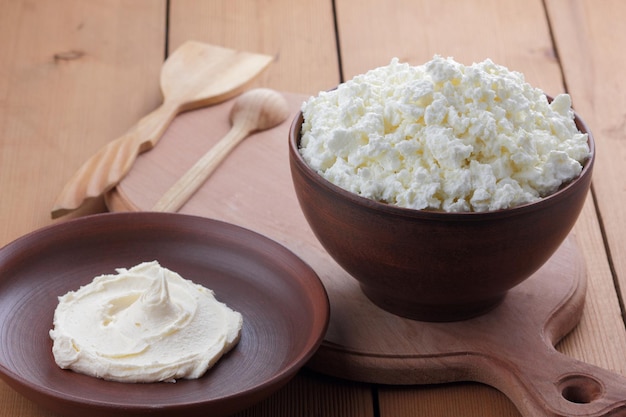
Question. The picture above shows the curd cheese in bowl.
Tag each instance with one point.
(443, 136)
(440, 187)
(143, 324)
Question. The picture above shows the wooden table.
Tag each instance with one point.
(76, 74)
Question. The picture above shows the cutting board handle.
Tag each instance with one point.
(545, 382)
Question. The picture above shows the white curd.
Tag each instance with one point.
(143, 324)
(443, 136)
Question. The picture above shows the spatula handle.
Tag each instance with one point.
(112, 162)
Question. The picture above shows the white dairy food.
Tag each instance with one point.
(143, 324)
(443, 136)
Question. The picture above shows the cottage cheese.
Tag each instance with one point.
(443, 136)
(143, 324)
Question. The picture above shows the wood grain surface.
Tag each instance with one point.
(75, 75)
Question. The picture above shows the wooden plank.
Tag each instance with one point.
(511, 33)
(453, 400)
(590, 36)
(517, 35)
(310, 394)
(73, 76)
(302, 38)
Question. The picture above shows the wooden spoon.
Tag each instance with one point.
(255, 110)
(195, 75)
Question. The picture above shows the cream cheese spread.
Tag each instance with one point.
(143, 324)
(443, 136)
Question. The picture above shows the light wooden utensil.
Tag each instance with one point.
(255, 110)
(195, 75)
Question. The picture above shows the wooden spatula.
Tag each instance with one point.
(195, 75)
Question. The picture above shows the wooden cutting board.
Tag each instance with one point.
(511, 348)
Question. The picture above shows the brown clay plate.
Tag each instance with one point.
(283, 302)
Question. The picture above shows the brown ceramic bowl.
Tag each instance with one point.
(283, 303)
(435, 266)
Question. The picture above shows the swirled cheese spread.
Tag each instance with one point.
(443, 136)
(143, 324)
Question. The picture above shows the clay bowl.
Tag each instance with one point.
(435, 266)
(283, 303)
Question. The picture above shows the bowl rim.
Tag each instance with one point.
(370, 204)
